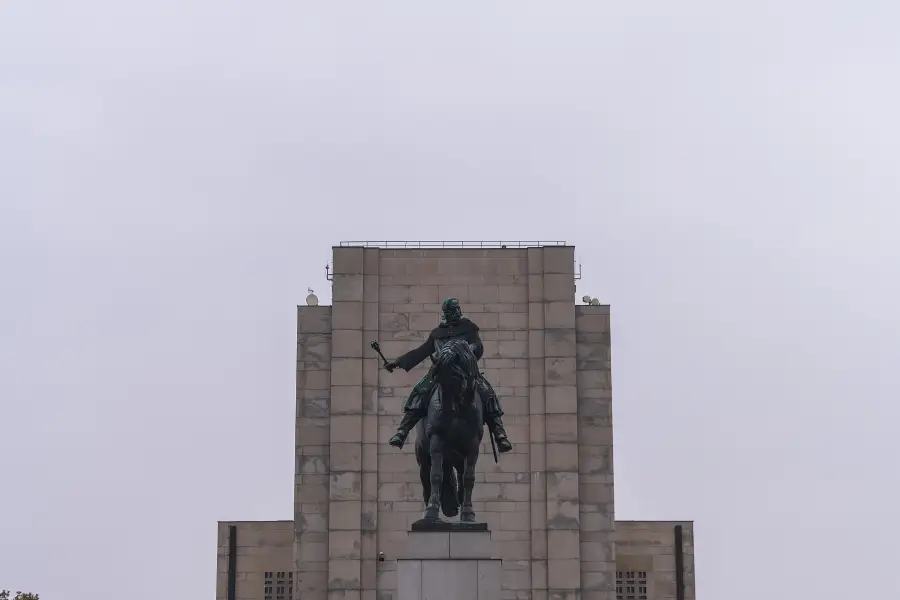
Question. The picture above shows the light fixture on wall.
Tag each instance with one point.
(312, 299)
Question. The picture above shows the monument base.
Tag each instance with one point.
(448, 561)
(431, 525)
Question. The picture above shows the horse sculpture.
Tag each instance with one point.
(450, 432)
(449, 436)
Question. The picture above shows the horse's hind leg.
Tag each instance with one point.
(468, 483)
(436, 450)
(424, 460)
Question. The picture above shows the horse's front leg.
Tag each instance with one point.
(467, 513)
(436, 449)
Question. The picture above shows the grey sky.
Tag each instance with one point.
(173, 174)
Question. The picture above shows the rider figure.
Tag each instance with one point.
(453, 325)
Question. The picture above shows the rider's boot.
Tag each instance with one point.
(410, 418)
(495, 424)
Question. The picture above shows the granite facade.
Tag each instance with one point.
(262, 547)
(649, 547)
(549, 503)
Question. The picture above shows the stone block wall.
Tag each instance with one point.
(538, 350)
(549, 503)
(262, 546)
(396, 296)
(649, 547)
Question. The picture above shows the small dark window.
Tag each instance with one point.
(273, 585)
(631, 585)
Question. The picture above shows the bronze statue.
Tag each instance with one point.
(448, 417)
(453, 325)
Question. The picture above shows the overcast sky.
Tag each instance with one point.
(173, 174)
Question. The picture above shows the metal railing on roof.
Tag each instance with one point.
(461, 244)
(451, 244)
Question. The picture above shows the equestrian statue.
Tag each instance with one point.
(448, 417)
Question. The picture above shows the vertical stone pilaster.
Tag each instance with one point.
(312, 456)
(537, 424)
(561, 431)
(595, 464)
(370, 372)
(346, 427)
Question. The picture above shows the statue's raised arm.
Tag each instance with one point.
(414, 357)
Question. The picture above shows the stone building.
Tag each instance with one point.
(549, 503)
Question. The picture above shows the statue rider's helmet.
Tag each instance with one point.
(451, 310)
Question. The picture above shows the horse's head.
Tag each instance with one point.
(457, 369)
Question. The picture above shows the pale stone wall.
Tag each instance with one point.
(595, 453)
(492, 286)
(523, 300)
(650, 546)
(313, 452)
(549, 503)
(261, 546)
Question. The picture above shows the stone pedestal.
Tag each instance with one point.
(447, 563)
